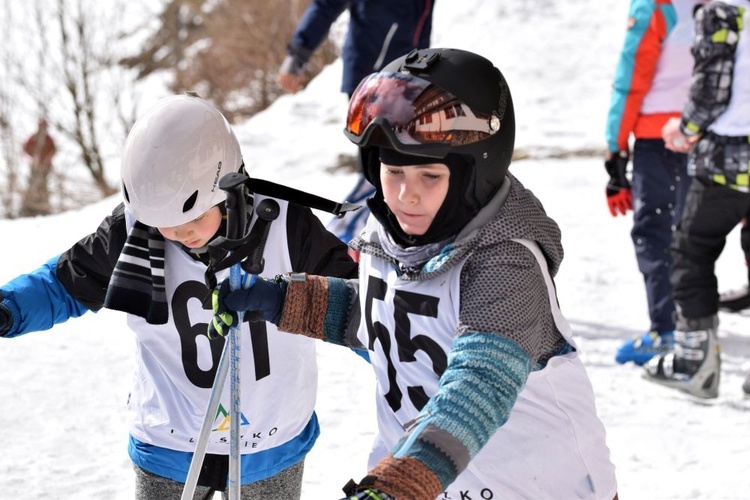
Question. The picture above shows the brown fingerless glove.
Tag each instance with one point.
(403, 479)
(305, 306)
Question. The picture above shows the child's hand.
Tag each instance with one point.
(619, 193)
(261, 295)
(674, 139)
(223, 319)
(291, 76)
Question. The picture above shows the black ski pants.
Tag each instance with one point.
(711, 212)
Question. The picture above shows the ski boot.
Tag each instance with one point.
(735, 300)
(694, 365)
(643, 347)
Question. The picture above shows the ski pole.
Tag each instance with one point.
(235, 476)
(238, 254)
(200, 446)
(236, 212)
(230, 356)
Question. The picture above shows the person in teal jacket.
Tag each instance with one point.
(651, 85)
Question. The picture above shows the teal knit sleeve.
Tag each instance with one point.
(477, 391)
(343, 315)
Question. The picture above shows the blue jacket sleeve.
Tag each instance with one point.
(316, 22)
(38, 301)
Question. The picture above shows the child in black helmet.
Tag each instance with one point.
(480, 389)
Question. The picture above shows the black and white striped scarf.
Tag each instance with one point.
(137, 283)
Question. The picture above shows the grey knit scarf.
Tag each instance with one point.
(411, 258)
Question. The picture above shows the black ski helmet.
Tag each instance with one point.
(452, 80)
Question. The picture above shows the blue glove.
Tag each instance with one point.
(258, 295)
(6, 317)
(263, 296)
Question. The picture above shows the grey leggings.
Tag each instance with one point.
(286, 485)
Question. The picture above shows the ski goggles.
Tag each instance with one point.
(415, 116)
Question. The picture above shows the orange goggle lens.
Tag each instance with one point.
(415, 112)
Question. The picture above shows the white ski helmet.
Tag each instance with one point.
(173, 159)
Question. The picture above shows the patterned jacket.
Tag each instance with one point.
(719, 103)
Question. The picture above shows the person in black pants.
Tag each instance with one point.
(715, 129)
(737, 300)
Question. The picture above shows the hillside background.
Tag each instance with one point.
(63, 423)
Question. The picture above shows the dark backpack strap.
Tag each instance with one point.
(247, 249)
(268, 188)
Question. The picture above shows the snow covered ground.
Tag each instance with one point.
(63, 424)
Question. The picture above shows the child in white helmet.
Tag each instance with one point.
(149, 259)
(480, 389)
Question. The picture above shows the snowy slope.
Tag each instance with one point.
(63, 424)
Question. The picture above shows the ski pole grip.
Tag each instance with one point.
(233, 184)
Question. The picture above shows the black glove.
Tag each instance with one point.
(258, 295)
(6, 317)
(295, 60)
(369, 494)
(364, 490)
(619, 194)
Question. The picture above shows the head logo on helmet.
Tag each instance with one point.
(216, 178)
(434, 102)
(173, 159)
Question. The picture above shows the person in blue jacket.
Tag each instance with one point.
(379, 31)
(149, 259)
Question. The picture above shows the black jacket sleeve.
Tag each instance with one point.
(313, 249)
(85, 268)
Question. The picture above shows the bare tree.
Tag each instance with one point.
(9, 145)
(179, 26)
(228, 50)
(66, 72)
(79, 67)
(9, 158)
(69, 73)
